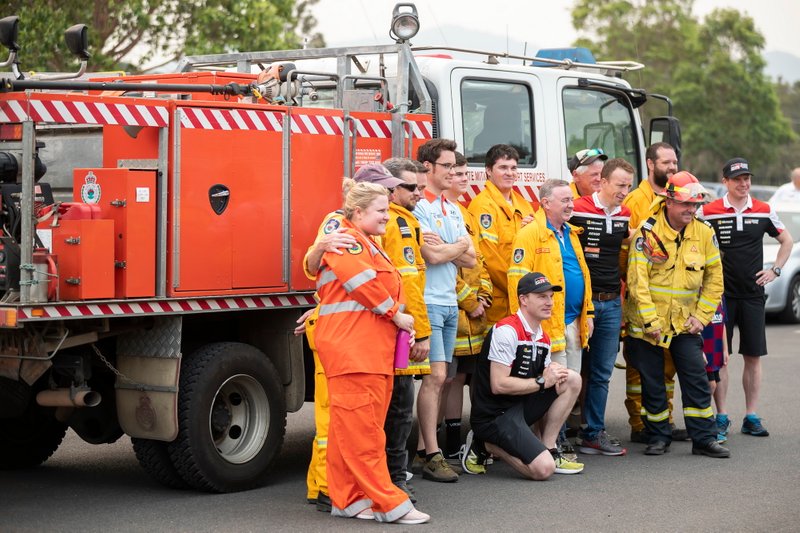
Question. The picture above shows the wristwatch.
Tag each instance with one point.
(777, 270)
(540, 382)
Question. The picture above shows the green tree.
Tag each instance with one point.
(712, 69)
(788, 157)
(121, 32)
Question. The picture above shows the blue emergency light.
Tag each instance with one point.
(576, 54)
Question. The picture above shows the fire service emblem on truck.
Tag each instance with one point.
(218, 195)
(90, 190)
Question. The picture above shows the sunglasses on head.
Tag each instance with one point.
(591, 153)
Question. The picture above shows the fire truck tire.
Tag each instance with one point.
(231, 418)
(30, 439)
(14, 397)
(153, 456)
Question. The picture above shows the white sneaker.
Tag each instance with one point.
(366, 514)
(413, 517)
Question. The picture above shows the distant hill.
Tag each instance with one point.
(783, 65)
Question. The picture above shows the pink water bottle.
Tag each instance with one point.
(401, 349)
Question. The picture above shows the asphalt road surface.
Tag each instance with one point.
(101, 488)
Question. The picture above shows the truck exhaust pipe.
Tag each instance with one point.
(68, 398)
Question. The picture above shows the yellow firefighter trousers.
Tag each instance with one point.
(317, 478)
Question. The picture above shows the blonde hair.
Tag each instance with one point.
(347, 184)
(360, 195)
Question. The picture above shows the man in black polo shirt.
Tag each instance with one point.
(516, 385)
(740, 222)
(604, 221)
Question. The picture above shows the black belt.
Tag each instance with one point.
(604, 296)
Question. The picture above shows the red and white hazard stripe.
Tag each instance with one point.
(159, 307)
(421, 129)
(527, 191)
(12, 111)
(80, 112)
(317, 124)
(381, 129)
(230, 119)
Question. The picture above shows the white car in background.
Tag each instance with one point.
(783, 294)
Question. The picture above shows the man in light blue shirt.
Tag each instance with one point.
(446, 246)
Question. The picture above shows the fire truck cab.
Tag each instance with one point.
(154, 226)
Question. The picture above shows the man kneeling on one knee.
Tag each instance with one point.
(515, 386)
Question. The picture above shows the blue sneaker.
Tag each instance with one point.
(723, 425)
(752, 425)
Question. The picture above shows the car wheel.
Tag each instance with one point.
(791, 313)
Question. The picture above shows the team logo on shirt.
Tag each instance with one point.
(438, 222)
(331, 226)
(356, 249)
(408, 254)
(519, 255)
(486, 220)
(639, 245)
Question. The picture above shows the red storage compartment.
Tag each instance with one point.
(128, 197)
(85, 250)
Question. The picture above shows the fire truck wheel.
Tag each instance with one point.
(231, 418)
(30, 439)
(153, 456)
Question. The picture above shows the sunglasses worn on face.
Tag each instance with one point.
(410, 187)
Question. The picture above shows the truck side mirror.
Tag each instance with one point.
(668, 130)
(9, 28)
(77, 39)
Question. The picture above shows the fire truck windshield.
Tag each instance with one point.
(597, 119)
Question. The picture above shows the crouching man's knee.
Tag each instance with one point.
(542, 467)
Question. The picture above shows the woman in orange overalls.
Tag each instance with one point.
(360, 313)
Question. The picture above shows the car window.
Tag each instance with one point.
(790, 219)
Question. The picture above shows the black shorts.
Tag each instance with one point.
(462, 364)
(713, 376)
(512, 432)
(748, 315)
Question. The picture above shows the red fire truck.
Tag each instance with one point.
(153, 227)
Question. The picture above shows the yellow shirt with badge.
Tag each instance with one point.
(402, 242)
(536, 249)
(499, 221)
(471, 284)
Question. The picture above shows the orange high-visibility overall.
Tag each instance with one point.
(360, 291)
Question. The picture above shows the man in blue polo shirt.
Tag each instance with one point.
(446, 247)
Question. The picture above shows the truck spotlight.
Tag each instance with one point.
(405, 25)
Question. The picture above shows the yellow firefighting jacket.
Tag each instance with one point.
(536, 249)
(499, 222)
(472, 283)
(640, 202)
(402, 242)
(664, 295)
